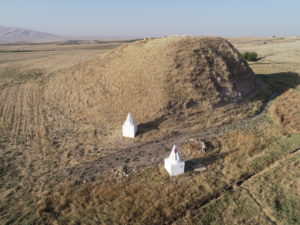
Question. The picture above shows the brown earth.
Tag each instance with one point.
(52, 160)
(167, 84)
(286, 111)
(171, 85)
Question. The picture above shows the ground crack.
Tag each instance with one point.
(259, 205)
(203, 202)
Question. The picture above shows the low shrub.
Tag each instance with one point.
(250, 56)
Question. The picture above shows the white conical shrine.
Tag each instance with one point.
(174, 164)
(129, 127)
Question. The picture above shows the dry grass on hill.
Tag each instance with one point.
(286, 111)
(270, 197)
(167, 84)
(152, 79)
(152, 197)
(56, 167)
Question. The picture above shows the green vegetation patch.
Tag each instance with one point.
(250, 56)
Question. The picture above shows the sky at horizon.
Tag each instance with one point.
(133, 18)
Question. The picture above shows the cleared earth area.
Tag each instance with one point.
(58, 168)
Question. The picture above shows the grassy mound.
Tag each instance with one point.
(160, 81)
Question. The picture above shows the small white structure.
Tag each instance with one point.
(129, 127)
(174, 165)
(176, 35)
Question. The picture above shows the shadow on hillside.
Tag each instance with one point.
(149, 126)
(206, 160)
(260, 58)
(281, 81)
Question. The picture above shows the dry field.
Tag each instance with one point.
(53, 171)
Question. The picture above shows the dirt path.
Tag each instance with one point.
(153, 153)
(22, 116)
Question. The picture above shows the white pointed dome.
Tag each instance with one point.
(129, 127)
(174, 164)
(130, 120)
(175, 155)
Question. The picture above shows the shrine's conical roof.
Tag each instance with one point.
(129, 120)
(175, 155)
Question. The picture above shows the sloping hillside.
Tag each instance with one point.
(161, 82)
(63, 159)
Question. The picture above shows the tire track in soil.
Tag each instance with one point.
(21, 114)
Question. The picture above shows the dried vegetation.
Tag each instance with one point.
(59, 166)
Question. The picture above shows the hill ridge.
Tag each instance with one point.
(16, 34)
